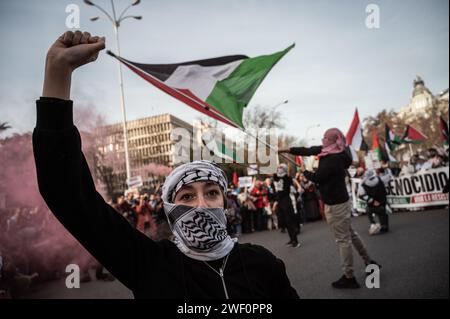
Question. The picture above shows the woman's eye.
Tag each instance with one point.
(213, 193)
(186, 197)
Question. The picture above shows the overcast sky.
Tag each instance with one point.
(338, 63)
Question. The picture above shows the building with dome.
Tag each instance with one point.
(423, 103)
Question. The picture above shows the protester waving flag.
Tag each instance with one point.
(444, 130)
(413, 136)
(220, 87)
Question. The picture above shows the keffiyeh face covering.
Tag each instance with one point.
(282, 170)
(200, 233)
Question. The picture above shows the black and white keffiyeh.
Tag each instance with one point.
(200, 233)
(197, 171)
(282, 170)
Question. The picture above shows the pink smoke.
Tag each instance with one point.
(155, 169)
(30, 236)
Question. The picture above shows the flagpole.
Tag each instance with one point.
(116, 23)
(411, 150)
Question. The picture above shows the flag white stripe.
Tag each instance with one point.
(357, 138)
(388, 151)
(200, 80)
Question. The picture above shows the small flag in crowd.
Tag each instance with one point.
(444, 130)
(300, 163)
(413, 136)
(354, 135)
(217, 148)
(375, 146)
(391, 143)
(220, 87)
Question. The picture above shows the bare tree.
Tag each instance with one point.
(4, 126)
(262, 117)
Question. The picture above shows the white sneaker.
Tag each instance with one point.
(374, 229)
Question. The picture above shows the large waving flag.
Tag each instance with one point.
(354, 136)
(413, 136)
(220, 87)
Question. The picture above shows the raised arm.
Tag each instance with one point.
(303, 151)
(63, 175)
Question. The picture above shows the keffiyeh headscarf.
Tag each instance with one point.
(333, 142)
(200, 233)
(282, 170)
(370, 178)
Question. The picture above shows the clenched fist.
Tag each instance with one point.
(74, 49)
(70, 51)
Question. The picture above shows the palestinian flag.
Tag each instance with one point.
(392, 139)
(413, 136)
(375, 146)
(354, 137)
(300, 163)
(444, 130)
(391, 143)
(217, 148)
(220, 87)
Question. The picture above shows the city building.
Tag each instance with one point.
(150, 150)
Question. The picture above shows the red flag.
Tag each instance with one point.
(354, 137)
(235, 179)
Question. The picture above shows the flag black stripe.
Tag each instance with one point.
(163, 71)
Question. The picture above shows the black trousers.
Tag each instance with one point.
(293, 227)
(380, 212)
(247, 220)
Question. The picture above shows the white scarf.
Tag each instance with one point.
(200, 233)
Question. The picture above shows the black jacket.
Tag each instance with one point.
(150, 269)
(330, 175)
(375, 193)
(283, 194)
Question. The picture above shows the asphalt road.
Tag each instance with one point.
(414, 256)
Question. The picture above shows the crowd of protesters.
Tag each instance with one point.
(35, 248)
(28, 233)
(145, 212)
(252, 209)
(421, 161)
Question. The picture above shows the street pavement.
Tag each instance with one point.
(414, 259)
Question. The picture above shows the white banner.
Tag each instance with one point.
(245, 181)
(421, 189)
(252, 170)
(135, 182)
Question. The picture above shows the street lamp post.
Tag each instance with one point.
(116, 24)
(274, 108)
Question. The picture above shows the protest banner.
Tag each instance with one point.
(422, 189)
